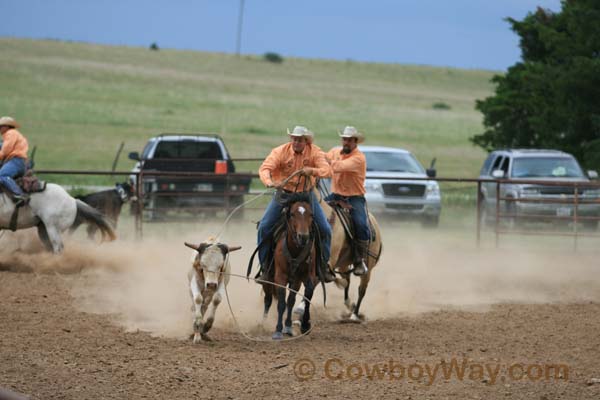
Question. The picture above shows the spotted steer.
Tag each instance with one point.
(207, 278)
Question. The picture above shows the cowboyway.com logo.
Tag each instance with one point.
(336, 369)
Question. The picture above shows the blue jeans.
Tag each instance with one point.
(358, 213)
(271, 216)
(10, 169)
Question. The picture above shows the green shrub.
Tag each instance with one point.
(440, 105)
(273, 57)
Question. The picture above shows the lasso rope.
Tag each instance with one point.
(259, 195)
(258, 339)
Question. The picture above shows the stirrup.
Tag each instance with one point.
(328, 274)
(21, 200)
(360, 268)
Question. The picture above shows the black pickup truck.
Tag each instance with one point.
(177, 153)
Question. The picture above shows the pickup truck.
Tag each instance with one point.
(206, 194)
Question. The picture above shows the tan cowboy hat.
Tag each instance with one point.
(9, 121)
(351, 131)
(302, 131)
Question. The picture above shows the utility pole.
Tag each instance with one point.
(239, 31)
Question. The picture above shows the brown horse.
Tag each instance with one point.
(341, 259)
(295, 264)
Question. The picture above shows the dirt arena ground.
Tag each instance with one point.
(112, 322)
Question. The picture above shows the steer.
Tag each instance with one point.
(207, 278)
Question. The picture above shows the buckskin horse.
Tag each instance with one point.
(52, 211)
(294, 264)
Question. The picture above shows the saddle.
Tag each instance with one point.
(342, 208)
(279, 229)
(30, 183)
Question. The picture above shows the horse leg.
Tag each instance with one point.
(44, 236)
(267, 288)
(277, 335)
(309, 290)
(54, 238)
(347, 301)
(290, 306)
(299, 309)
(362, 289)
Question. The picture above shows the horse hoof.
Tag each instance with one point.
(299, 311)
(345, 315)
(355, 318)
(277, 336)
(305, 328)
(205, 337)
(287, 330)
(197, 339)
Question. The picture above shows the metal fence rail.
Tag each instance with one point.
(576, 200)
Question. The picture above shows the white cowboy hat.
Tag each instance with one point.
(9, 121)
(351, 131)
(302, 131)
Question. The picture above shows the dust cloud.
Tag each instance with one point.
(143, 284)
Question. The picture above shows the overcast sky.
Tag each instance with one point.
(455, 33)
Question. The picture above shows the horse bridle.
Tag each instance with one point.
(304, 255)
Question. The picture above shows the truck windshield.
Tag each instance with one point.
(546, 167)
(392, 162)
(188, 149)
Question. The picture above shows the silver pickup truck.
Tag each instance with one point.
(543, 166)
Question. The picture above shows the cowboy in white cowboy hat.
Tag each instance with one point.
(298, 154)
(352, 132)
(349, 167)
(301, 131)
(13, 155)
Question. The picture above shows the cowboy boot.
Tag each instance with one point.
(360, 257)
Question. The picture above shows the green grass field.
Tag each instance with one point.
(77, 102)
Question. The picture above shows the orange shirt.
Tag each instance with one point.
(13, 145)
(284, 161)
(349, 172)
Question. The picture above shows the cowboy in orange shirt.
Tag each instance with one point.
(299, 154)
(13, 156)
(349, 167)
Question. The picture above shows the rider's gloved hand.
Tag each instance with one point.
(308, 171)
(274, 185)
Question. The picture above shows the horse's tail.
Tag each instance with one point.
(87, 213)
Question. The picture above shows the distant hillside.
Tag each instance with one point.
(77, 102)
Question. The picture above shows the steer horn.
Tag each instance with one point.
(233, 248)
(199, 248)
(191, 246)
